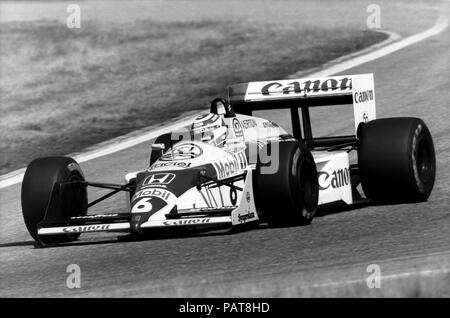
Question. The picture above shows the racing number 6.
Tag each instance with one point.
(143, 205)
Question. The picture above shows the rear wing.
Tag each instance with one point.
(356, 90)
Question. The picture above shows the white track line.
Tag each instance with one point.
(110, 147)
(440, 25)
(422, 273)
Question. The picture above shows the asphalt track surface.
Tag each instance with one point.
(337, 247)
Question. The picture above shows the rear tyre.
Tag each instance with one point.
(396, 159)
(37, 185)
(288, 196)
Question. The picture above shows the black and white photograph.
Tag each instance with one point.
(241, 151)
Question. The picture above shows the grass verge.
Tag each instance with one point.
(65, 89)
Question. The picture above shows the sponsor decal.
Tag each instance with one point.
(260, 144)
(143, 205)
(209, 128)
(230, 165)
(94, 216)
(295, 160)
(237, 128)
(158, 179)
(87, 228)
(414, 155)
(365, 117)
(183, 152)
(295, 87)
(337, 179)
(162, 194)
(205, 129)
(269, 124)
(203, 209)
(186, 222)
(245, 217)
(249, 123)
(176, 164)
(361, 97)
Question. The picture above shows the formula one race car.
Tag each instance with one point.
(228, 168)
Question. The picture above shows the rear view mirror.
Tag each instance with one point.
(158, 147)
(157, 150)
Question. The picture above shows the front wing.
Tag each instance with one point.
(244, 212)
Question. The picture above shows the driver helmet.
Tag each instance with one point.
(209, 128)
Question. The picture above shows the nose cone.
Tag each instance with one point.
(146, 202)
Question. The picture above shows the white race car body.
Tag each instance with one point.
(195, 183)
(167, 185)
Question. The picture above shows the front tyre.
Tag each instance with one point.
(37, 186)
(289, 195)
(396, 159)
